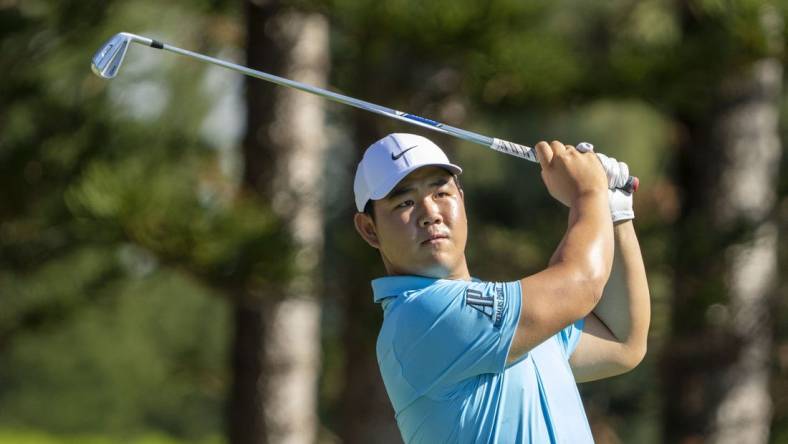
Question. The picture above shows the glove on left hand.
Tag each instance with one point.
(617, 172)
(620, 201)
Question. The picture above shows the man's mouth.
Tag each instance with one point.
(435, 238)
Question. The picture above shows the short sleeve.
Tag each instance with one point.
(450, 332)
(569, 337)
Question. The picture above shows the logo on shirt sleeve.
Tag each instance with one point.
(491, 305)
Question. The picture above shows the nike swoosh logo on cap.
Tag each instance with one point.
(395, 157)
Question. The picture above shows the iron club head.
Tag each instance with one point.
(108, 58)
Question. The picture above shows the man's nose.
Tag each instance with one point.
(431, 214)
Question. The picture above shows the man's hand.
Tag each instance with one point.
(620, 205)
(569, 174)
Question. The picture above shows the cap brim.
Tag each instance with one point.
(387, 185)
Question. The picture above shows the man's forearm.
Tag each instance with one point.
(625, 307)
(587, 245)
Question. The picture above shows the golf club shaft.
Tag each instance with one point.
(503, 146)
(368, 106)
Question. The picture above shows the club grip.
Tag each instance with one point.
(514, 149)
(526, 152)
(632, 184)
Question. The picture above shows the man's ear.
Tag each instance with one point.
(366, 229)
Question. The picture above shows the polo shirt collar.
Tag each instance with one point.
(389, 286)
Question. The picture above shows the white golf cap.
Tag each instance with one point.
(390, 159)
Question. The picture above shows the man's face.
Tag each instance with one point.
(420, 228)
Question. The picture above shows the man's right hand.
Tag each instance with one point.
(568, 173)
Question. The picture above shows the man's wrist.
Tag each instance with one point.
(619, 224)
(589, 205)
(624, 230)
(592, 196)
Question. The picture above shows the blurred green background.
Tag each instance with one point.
(155, 229)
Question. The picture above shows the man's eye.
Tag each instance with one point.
(443, 193)
(406, 203)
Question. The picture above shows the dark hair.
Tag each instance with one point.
(370, 210)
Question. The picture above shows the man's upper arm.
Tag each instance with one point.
(599, 354)
(448, 336)
(552, 299)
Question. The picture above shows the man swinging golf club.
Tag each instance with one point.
(469, 361)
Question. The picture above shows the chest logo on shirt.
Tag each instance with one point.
(491, 305)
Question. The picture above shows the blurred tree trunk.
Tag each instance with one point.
(276, 354)
(717, 362)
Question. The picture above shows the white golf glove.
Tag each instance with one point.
(617, 172)
(620, 201)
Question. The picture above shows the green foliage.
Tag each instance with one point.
(502, 51)
(145, 353)
(14, 436)
(164, 207)
(121, 239)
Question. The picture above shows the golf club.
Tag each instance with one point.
(107, 60)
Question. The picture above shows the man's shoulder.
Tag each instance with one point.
(415, 311)
(476, 293)
(412, 286)
(432, 299)
(451, 302)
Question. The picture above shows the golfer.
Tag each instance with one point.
(470, 361)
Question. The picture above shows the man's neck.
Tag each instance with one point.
(459, 273)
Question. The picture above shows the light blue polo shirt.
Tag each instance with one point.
(442, 353)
